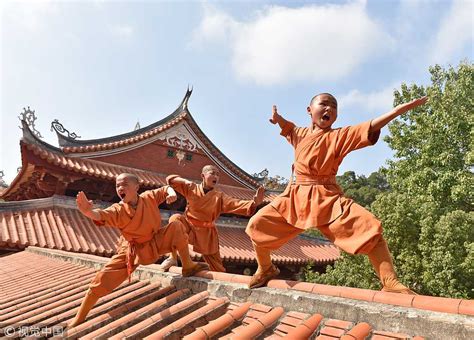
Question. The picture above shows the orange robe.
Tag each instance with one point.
(143, 239)
(313, 199)
(201, 213)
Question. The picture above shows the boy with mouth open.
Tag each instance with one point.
(143, 239)
(314, 200)
(204, 205)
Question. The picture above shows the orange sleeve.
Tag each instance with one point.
(355, 137)
(289, 132)
(158, 195)
(110, 216)
(182, 188)
(231, 205)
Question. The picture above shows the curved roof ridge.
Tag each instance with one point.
(215, 150)
(67, 142)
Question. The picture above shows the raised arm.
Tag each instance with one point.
(384, 119)
(179, 184)
(259, 196)
(85, 207)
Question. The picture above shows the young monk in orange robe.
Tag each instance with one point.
(143, 239)
(314, 200)
(204, 205)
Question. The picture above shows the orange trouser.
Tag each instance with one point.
(170, 237)
(268, 229)
(215, 262)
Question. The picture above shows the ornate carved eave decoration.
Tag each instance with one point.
(60, 129)
(29, 117)
(2, 181)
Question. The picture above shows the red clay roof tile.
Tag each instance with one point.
(359, 332)
(133, 310)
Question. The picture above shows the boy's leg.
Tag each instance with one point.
(175, 238)
(215, 262)
(380, 258)
(172, 259)
(268, 231)
(105, 281)
(365, 237)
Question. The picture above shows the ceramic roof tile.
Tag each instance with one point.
(144, 308)
(47, 224)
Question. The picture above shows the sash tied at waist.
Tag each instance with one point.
(314, 180)
(132, 253)
(198, 223)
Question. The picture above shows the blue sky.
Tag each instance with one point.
(101, 66)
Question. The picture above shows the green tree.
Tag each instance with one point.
(427, 213)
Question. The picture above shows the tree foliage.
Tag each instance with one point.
(427, 213)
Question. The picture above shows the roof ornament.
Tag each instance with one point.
(137, 126)
(2, 181)
(261, 175)
(29, 117)
(186, 98)
(59, 128)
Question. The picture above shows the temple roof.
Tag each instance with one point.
(56, 223)
(180, 120)
(77, 166)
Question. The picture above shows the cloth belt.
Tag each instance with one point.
(198, 223)
(314, 180)
(131, 252)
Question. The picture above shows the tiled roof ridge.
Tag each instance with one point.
(219, 154)
(416, 302)
(69, 202)
(99, 169)
(73, 145)
(69, 145)
(92, 167)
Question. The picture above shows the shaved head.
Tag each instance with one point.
(320, 94)
(209, 168)
(131, 177)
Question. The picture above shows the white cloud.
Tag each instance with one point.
(122, 31)
(216, 26)
(371, 102)
(29, 14)
(455, 31)
(281, 44)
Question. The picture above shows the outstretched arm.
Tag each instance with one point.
(176, 180)
(384, 119)
(85, 207)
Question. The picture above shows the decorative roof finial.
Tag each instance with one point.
(261, 175)
(29, 117)
(59, 128)
(184, 104)
(2, 181)
(137, 126)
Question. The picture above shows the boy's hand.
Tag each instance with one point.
(275, 115)
(402, 108)
(84, 205)
(259, 195)
(172, 197)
